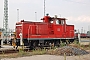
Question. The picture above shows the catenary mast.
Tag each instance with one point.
(5, 20)
(44, 7)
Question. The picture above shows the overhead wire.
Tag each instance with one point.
(76, 2)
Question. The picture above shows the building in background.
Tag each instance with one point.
(88, 33)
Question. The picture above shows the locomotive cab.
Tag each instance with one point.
(54, 20)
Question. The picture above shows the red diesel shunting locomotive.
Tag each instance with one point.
(50, 31)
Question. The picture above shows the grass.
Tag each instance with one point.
(22, 53)
(76, 41)
(78, 45)
(62, 44)
(64, 56)
(39, 52)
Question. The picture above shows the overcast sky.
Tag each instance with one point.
(76, 11)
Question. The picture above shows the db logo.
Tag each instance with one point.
(58, 29)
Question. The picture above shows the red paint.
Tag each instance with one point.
(45, 29)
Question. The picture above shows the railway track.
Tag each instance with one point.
(8, 51)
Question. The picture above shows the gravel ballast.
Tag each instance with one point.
(68, 51)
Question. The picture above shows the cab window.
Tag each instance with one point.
(58, 21)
